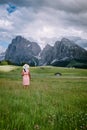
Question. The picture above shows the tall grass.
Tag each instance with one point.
(50, 103)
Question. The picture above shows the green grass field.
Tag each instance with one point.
(50, 103)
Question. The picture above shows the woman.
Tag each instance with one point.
(26, 76)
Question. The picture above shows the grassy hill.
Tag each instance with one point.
(52, 102)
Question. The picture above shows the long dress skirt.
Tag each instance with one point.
(26, 78)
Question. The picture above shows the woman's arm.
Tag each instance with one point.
(22, 74)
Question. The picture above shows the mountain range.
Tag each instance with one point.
(63, 53)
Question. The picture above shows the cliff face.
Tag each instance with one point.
(46, 55)
(66, 49)
(61, 54)
(22, 51)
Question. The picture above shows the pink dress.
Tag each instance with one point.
(26, 77)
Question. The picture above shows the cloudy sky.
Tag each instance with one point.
(42, 20)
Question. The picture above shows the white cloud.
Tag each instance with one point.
(5, 24)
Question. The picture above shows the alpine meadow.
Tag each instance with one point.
(43, 64)
(52, 101)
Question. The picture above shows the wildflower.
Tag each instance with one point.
(37, 127)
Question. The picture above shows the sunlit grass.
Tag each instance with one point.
(7, 68)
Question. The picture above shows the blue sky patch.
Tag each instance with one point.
(11, 8)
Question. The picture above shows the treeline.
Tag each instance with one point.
(4, 62)
(68, 64)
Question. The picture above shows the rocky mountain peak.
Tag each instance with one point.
(22, 51)
(65, 40)
(47, 47)
(63, 52)
(19, 40)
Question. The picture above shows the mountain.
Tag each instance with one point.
(22, 51)
(46, 55)
(63, 53)
(79, 41)
(68, 49)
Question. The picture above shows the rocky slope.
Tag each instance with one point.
(22, 51)
(62, 53)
